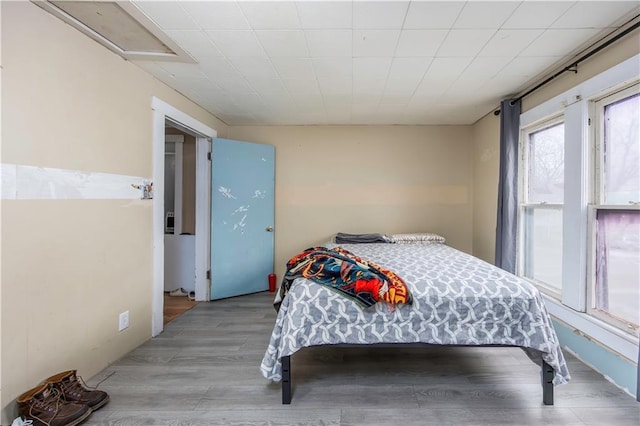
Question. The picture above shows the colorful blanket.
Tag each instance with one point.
(358, 279)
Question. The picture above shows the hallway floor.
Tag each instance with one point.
(175, 306)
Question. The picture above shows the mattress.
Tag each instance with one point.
(458, 299)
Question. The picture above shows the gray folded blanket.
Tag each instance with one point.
(342, 238)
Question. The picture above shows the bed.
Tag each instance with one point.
(458, 300)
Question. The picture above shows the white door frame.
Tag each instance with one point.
(203, 218)
(161, 112)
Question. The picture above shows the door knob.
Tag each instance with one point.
(269, 229)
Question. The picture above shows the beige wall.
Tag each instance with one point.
(69, 267)
(486, 141)
(486, 167)
(188, 180)
(367, 179)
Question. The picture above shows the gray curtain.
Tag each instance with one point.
(506, 229)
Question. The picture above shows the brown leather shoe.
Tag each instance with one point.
(43, 405)
(73, 389)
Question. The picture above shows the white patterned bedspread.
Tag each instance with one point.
(457, 300)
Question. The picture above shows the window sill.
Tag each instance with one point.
(545, 289)
(625, 344)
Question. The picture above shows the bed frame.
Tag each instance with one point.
(546, 376)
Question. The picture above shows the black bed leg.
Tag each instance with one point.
(286, 379)
(547, 383)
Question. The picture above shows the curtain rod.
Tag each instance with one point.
(574, 64)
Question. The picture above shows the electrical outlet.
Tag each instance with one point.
(123, 322)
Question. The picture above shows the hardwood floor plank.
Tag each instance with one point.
(335, 396)
(204, 341)
(275, 417)
(609, 416)
(460, 416)
(479, 396)
(172, 376)
(154, 398)
(600, 394)
(236, 358)
(249, 397)
(145, 355)
(346, 395)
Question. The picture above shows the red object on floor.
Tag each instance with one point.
(272, 282)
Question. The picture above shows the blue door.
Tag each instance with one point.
(242, 217)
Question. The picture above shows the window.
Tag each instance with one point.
(542, 188)
(615, 216)
(591, 274)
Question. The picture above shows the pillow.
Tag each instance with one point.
(342, 238)
(424, 237)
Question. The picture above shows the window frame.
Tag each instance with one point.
(596, 116)
(604, 316)
(596, 177)
(571, 310)
(524, 203)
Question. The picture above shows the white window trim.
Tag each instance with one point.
(575, 103)
(620, 342)
(574, 221)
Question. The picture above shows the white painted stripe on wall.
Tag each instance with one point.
(8, 184)
(45, 183)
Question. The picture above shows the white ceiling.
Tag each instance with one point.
(369, 62)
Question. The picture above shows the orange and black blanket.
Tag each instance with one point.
(358, 279)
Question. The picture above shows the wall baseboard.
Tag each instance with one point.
(613, 367)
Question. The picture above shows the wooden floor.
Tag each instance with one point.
(174, 306)
(204, 370)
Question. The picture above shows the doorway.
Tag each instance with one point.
(165, 116)
(179, 225)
